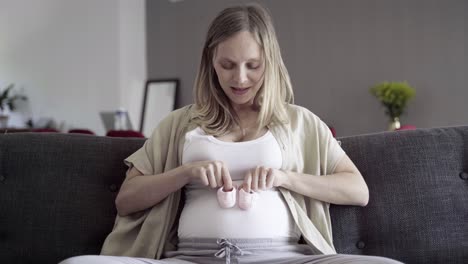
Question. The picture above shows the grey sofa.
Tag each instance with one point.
(57, 195)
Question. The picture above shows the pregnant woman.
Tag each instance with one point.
(243, 175)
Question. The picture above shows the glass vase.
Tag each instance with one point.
(394, 124)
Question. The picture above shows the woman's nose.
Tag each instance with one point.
(240, 76)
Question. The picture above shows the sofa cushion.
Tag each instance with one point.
(57, 194)
(418, 208)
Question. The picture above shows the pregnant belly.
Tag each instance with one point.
(202, 217)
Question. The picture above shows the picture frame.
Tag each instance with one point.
(159, 100)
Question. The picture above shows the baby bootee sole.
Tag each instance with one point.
(246, 199)
(226, 199)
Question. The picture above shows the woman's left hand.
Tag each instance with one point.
(262, 178)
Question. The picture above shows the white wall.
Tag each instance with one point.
(74, 58)
(132, 64)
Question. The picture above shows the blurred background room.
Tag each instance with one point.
(72, 60)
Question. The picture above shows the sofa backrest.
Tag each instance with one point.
(57, 195)
(418, 207)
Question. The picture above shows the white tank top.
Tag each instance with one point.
(202, 217)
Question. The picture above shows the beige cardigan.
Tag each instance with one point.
(307, 146)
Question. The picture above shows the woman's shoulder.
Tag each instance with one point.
(184, 112)
(177, 119)
(302, 119)
(299, 113)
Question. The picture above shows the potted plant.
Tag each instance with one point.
(394, 96)
(7, 101)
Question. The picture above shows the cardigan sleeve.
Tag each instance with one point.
(330, 150)
(149, 232)
(321, 151)
(141, 159)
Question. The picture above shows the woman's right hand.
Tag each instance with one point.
(140, 192)
(213, 174)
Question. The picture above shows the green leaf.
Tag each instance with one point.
(394, 96)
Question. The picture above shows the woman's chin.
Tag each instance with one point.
(242, 103)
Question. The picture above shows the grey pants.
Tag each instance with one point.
(227, 251)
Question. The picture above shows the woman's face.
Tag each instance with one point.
(239, 65)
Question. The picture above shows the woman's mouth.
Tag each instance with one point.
(239, 91)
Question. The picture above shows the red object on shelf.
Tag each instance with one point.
(333, 131)
(81, 131)
(124, 133)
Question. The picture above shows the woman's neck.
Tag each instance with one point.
(247, 115)
(245, 110)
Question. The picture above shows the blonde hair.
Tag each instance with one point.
(213, 111)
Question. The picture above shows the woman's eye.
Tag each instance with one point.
(253, 66)
(227, 66)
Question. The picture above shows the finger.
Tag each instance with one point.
(202, 177)
(227, 180)
(211, 177)
(218, 174)
(270, 178)
(262, 178)
(247, 182)
(255, 179)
